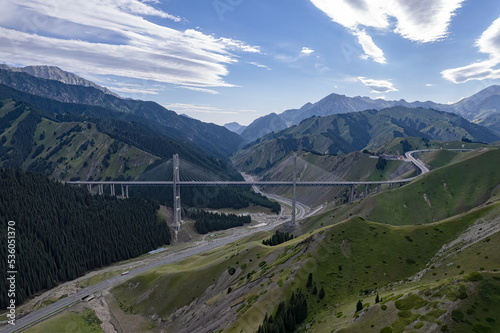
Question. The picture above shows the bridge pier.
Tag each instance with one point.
(101, 189)
(124, 191)
(177, 195)
(351, 193)
(294, 189)
(391, 186)
(112, 189)
(366, 191)
(379, 188)
(89, 187)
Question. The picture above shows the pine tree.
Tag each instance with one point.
(377, 299)
(359, 306)
(321, 293)
(309, 281)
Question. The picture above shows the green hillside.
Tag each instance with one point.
(65, 150)
(371, 130)
(442, 193)
(351, 260)
(395, 145)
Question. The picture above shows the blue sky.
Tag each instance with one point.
(236, 60)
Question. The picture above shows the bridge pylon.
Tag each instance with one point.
(291, 225)
(177, 194)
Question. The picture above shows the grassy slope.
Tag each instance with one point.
(450, 190)
(126, 160)
(394, 146)
(348, 260)
(372, 265)
(66, 322)
(69, 162)
(179, 284)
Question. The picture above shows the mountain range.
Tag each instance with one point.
(215, 138)
(356, 131)
(481, 108)
(57, 74)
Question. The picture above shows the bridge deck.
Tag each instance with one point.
(239, 183)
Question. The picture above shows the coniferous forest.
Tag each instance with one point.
(287, 317)
(61, 231)
(206, 222)
(278, 238)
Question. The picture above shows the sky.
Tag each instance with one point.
(236, 60)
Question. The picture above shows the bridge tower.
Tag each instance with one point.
(177, 194)
(294, 179)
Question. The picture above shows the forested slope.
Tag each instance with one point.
(61, 231)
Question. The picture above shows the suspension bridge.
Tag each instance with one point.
(194, 176)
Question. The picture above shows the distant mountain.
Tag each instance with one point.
(356, 131)
(69, 142)
(482, 108)
(57, 74)
(235, 127)
(262, 126)
(216, 139)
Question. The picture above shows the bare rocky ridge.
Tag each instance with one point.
(55, 73)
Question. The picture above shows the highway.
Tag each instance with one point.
(418, 163)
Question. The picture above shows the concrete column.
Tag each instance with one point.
(379, 188)
(126, 192)
(366, 190)
(351, 194)
(101, 189)
(294, 189)
(112, 189)
(177, 193)
(123, 192)
(89, 187)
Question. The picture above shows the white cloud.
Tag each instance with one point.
(137, 7)
(420, 21)
(234, 45)
(306, 50)
(259, 65)
(371, 50)
(488, 43)
(112, 37)
(378, 86)
(201, 108)
(204, 90)
(196, 108)
(353, 13)
(424, 20)
(131, 90)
